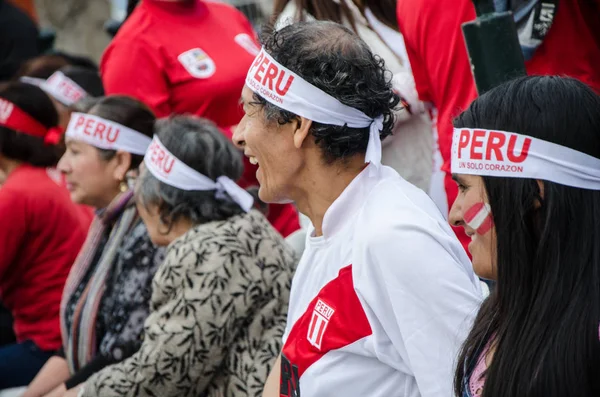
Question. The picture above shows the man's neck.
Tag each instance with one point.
(324, 187)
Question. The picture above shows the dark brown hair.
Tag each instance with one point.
(328, 10)
(126, 111)
(26, 148)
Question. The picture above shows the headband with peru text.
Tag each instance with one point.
(508, 154)
(106, 134)
(13, 117)
(285, 89)
(170, 170)
(60, 87)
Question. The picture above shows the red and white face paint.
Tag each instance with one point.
(507, 154)
(167, 168)
(285, 89)
(479, 218)
(106, 134)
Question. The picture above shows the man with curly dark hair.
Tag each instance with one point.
(384, 292)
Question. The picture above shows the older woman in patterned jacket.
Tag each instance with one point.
(219, 301)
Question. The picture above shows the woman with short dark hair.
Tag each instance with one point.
(105, 299)
(41, 233)
(220, 298)
(526, 158)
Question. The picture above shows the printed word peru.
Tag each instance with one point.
(268, 79)
(161, 160)
(318, 323)
(491, 151)
(96, 129)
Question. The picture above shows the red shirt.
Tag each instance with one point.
(440, 64)
(188, 57)
(40, 238)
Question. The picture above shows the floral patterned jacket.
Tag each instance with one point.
(218, 313)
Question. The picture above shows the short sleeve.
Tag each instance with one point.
(13, 218)
(135, 68)
(424, 297)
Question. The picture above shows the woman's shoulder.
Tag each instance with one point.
(250, 235)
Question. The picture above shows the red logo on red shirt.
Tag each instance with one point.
(318, 323)
(197, 63)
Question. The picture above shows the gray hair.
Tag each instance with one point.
(199, 144)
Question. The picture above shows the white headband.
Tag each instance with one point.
(507, 154)
(36, 81)
(285, 89)
(106, 134)
(63, 89)
(169, 169)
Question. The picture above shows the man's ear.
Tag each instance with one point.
(301, 131)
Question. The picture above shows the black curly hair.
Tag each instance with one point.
(335, 60)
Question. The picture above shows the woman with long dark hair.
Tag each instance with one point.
(40, 231)
(106, 296)
(526, 157)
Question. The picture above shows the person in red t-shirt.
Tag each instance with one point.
(41, 231)
(440, 64)
(189, 56)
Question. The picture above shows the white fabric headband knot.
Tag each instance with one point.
(106, 134)
(285, 89)
(508, 154)
(170, 170)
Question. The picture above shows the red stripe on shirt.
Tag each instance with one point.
(347, 324)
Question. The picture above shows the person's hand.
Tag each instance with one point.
(59, 391)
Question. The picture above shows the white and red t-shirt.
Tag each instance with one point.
(381, 303)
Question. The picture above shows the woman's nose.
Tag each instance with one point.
(62, 165)
(455, 218)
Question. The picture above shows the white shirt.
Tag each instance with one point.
(381, 303)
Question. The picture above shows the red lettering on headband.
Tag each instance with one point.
(100, 127)
(112, 135)
(89, 127)
(492, 143)
(258, 60)
(495, 142)
(80, 121)
(284, 90)
(463, 141)
(261, 69)
(270, 76)
(477, 142)
(267, 71)
(511, 149)
(163, 161)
